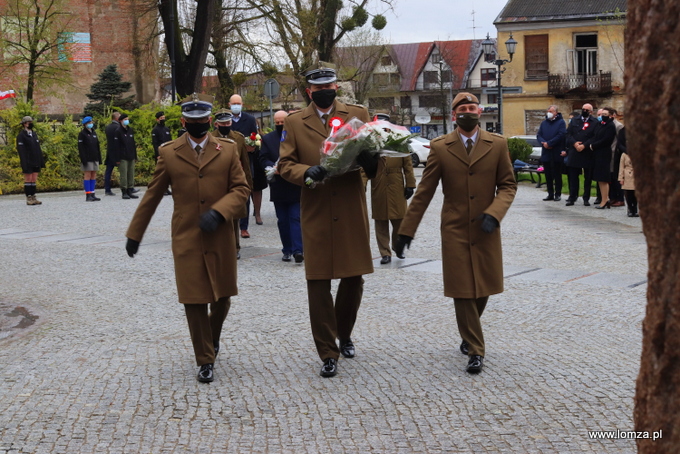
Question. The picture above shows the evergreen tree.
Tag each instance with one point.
(108, 91)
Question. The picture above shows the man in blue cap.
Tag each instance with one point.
(209, 191)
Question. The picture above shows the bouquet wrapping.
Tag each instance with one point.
(346, 140)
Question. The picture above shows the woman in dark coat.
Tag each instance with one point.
(601, 145)
(90, 157)
(31, 157)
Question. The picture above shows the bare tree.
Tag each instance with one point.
(356, 59)
(34, 33)
(653, 131)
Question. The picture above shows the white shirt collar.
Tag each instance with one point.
(465, 138)
(193, 144)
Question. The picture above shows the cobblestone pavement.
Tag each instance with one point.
(95, 355)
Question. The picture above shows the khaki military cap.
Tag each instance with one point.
(464, 98)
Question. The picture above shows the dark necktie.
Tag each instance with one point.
(468, 147)
(198, 149)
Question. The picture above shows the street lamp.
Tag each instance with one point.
(489, 56)
(446, 102)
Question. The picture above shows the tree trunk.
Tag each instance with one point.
(30, 85)
(653, 136)
(327, 18)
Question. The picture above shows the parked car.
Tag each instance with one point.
(535, 146)
(420, 149)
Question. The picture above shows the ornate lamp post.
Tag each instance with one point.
(489, 56)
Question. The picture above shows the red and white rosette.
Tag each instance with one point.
(336, 123)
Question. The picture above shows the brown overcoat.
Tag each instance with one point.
(205, 263)
(626, 173)
(483, 182)
(333, 215)
(387, 188)
(245, 163)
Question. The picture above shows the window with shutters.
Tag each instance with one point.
(488, 77)
(536, 57)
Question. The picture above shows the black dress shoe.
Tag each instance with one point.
(586, 203)
(299, 258)
(347, 348)
(464, 348)
(475, 364)
(109, 193)
(205, 374)
(217, 347)
(134, 190)
(401, 256)
(550, 197)
(385, 260)
(238, 255)
(569, 203)
(167, 192)
(286, 257)
(597, 201)
(558, 198)
(329, 368)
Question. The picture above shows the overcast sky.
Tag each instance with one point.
(416, 21)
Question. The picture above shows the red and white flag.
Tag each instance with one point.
(7, 94)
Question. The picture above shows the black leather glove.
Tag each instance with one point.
(369, 162)
(316, 173)
(489, 223)
(402, 241)
(408, 192)
(131, 247)
(210, 220)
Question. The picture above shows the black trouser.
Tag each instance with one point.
(631, 201)
(573, 175)
(553, 178)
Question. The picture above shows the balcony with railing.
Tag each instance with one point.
(567, 85)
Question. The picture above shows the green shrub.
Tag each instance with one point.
(519, 149)
(59, 143)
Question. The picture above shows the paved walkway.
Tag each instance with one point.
(95, 354)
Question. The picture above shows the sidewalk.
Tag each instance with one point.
(95, 355)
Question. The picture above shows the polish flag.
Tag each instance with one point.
(7, 94)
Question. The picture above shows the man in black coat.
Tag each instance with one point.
(551, 137)
(31, 158)
(90, 156)
(112, 159)
(246, 125)
(159, 135)
(285, 195)
(127, 153)
(578, 157)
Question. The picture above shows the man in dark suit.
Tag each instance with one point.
(112, 158)
(551, 137)
(245, 124)
(285, 195)
(159, 135)
(578, 158)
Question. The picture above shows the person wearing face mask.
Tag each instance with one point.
(333, 216)
(551, 136)
(209, 190)
(159, 135)
(285, 195)
(246, 125)
(90, 156)
(579, 159)
(127, 152)
(600, 144)
(479, 186)
(223, 129)
(31, 158)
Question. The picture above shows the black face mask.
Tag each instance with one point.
(585, 113)
(162, 122)
(197, 129)
(279, 128)
(224, 130)
(605, 118)
(467, 121)
(324, 98)
(30, 126)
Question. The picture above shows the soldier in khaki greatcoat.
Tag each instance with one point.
(223, 123)
(209, 190)
(334, 218)
(479, 186)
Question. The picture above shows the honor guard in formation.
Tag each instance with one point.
(90, 156)
(209, 191)
(223, 123)
(479, 186)
(31, 158)
(334, 217)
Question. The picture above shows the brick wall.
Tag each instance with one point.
(120, 32)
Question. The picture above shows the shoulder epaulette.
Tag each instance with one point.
(238, 132)
(294, 113)
(226, 139)
(436, 139)
(498, 135)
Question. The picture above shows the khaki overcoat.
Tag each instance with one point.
(205, 263)
(245, 162)
(483, 182)
(626, 173)
(387, 188)
(333, 215)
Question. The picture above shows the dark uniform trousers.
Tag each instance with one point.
(573, 176)
(331, 322)
(382, 234)
(468, 313)
(205, 329)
